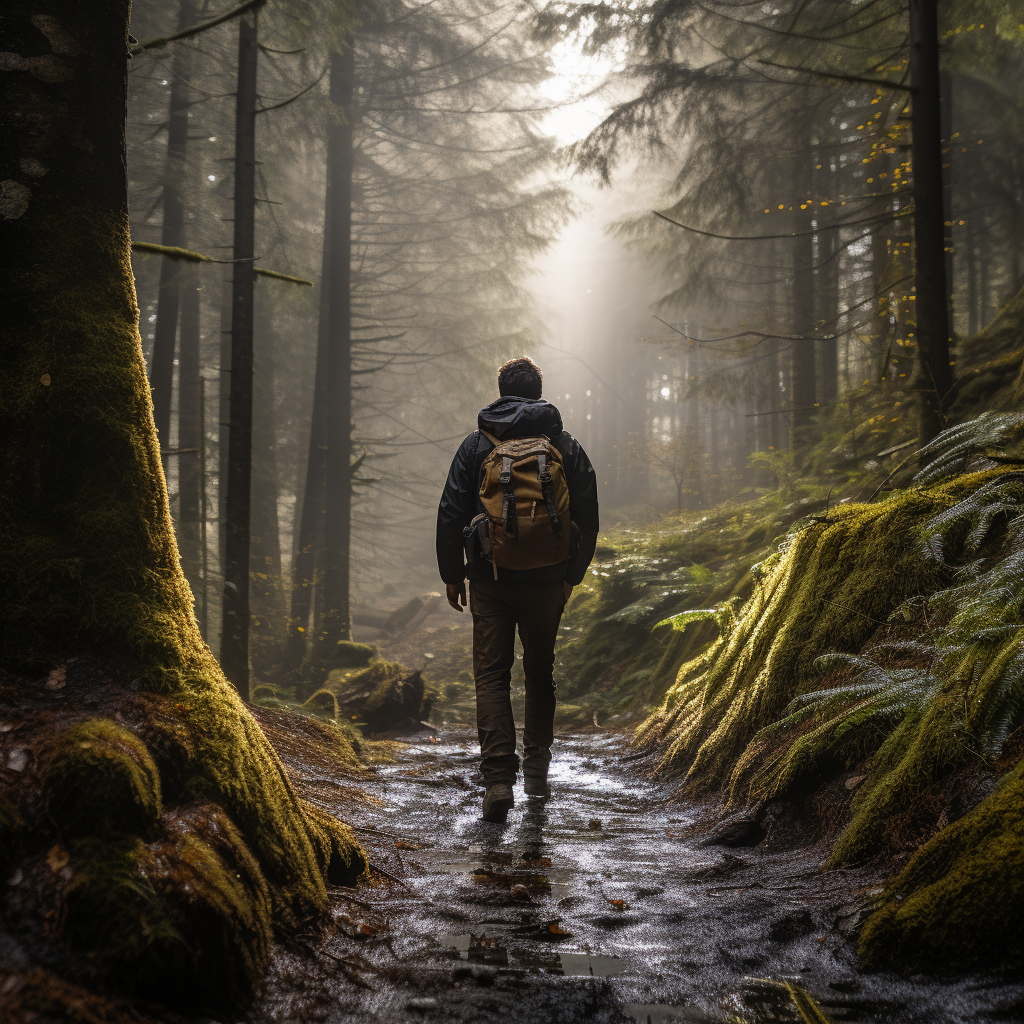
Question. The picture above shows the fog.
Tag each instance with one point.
(486, 178)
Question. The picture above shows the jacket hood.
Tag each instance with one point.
(510, 417)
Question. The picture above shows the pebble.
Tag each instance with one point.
(421, 1004)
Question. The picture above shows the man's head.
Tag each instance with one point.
(520, 377)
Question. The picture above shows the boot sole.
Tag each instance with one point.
(498, 812)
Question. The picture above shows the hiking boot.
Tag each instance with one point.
(498, 801)
(536, 785)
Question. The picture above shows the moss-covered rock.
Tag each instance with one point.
(960, 900)
(830, 589)
(383, 698)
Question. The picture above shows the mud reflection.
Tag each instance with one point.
(490, 950)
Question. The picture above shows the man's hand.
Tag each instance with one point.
(568, 590)
(456, 594)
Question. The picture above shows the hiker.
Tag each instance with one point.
(518, 519)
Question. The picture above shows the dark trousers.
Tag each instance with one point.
(498, 607)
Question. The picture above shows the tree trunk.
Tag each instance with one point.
(172, 233)
(973, 293)
(188, 848)
(189, 462)
(310, 515)
(827, 294)
(266, 592)
(935, 378)
(234, 644)
(335, 625)
(802, 362)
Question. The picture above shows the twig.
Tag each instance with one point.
(391, 878)
(174, 252)
(889, 477)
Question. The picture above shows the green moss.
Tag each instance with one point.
(381, 697)
(89, 567)
(97, 776)
(960, 900)
(835, 584)
(339, 854)
(187, 919)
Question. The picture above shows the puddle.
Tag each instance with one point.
(489, 949)
(505, 870)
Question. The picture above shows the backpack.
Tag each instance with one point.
(524, 497)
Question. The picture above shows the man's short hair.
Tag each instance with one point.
(520, 377)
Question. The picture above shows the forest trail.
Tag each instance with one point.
(600, 904)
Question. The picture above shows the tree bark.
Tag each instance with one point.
(935, 378)
(234, 650)
(189, 850)
(172, 233)
(802, 362)
(190, 467)
(310, 515)
(335, 625)
(266, 591)
(827, 293)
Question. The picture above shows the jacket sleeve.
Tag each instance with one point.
(582, 510)
(456, 509)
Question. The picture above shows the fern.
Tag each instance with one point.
(952, 450)
(683, 619)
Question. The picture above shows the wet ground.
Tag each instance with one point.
(600, 904)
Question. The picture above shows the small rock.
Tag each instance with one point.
(421, 1004)
(17, 759)
(594, 824)
(855, 781)
(521, 893)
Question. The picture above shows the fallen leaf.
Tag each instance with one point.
(557, 929)
(45, 379)
(57, 858)
(619, 904)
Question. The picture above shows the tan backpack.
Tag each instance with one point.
(525, 497)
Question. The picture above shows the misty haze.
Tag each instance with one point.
(512, 511)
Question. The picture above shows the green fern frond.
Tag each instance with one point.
(952, 450)
(683, 619)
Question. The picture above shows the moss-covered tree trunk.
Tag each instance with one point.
(158, 838)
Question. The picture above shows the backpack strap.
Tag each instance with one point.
(546, 489)
(508, 504)
(490, 437)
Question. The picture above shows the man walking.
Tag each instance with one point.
(518, 518)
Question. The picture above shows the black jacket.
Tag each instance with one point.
(507, 418)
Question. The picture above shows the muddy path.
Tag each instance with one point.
(600, 904)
